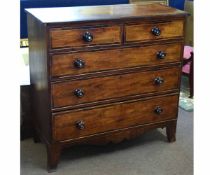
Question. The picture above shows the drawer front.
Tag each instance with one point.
(154, 31)
(101, 88)
(87, 62)
(86, 122)
(85, 37)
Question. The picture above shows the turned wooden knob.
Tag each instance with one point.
(158, 110)
(79, 93)
(87, 37)
(80, 124)
(156, 31)
(161, 55)
(78, 63)
(159, 81)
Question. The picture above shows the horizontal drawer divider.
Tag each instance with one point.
(112, 46)
(136, 44)
(126, 20)
(114, 72)
(81, 27)
(110, 102)
(161, 40)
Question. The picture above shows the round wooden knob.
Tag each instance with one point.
(79, 93)
(159, 81)
(158, 110)
(78, 63)
(156, 31)
(80, 124)
(87, 37)
(161, 55)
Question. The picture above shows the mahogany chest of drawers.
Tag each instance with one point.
(103, 74)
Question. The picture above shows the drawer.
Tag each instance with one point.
(154, 31)
(85, 36)
(101, 88)
(75, 124)
(87, 62)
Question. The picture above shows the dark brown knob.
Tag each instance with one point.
(161, 55)
(159, 81)
(78, 63)
(80, 124)
(156, 31)
(158, 110)
(87, 37)
(79, 93)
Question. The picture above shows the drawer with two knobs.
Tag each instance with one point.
(88, 121)
(87, 62)
(91, 90)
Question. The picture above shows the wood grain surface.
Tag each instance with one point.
(113, 117)
(104, 12)
(142, 32)
(63, 64)
(74, 37)
(113, 86)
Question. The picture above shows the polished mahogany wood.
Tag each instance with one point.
(53, 156)
(63, 94)
(114, 136)
(107, 12)
(64, 64)
(143, 31)
(76, 37)
(171, 132)
(118, 116)
(39, 78)
(117, 136)
(104, 74)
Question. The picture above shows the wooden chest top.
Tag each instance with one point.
(107, 12)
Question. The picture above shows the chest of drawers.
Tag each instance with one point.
(104, 74)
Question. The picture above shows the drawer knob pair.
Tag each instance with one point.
(156, 31)
(80, 124)
(87, 37)
(161, 55)
(159, 81)
(158, 110)
(78, 63)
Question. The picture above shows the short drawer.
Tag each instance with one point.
(154, 31)
(62, 37)
(70, 64)
(75, 124)
(102, 88)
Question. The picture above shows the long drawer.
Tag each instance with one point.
(153, 31)
(89, 62)
(101, 88)
(74, 124)
(64, 37)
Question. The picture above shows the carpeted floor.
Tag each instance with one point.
(149, 154)
(185, 102)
